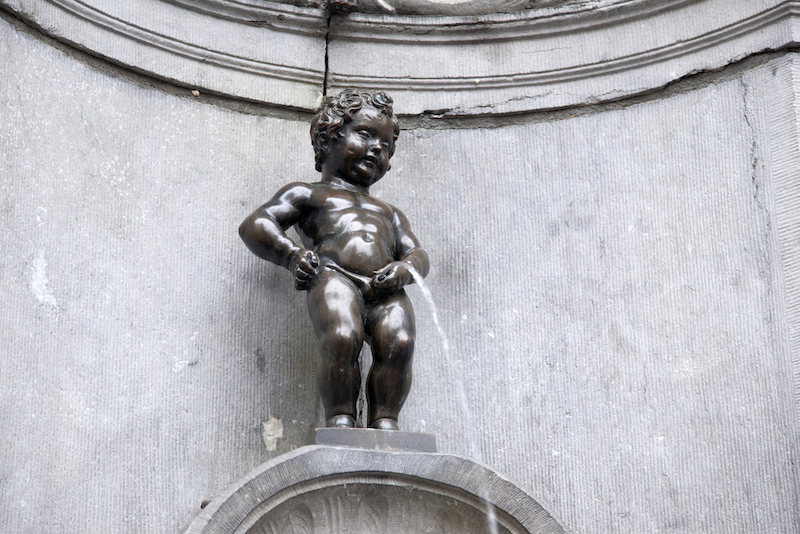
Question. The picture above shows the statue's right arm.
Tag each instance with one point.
(264, 231)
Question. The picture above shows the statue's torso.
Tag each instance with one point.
(352, 229)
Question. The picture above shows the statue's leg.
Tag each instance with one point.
(337, 312)
(391, 327)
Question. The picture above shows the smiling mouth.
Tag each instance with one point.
(370, 162)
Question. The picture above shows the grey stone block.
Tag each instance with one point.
(382, 440)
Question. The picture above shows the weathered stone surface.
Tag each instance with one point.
(552, 57)
(618, 286)
(329, 489)
(251, 50)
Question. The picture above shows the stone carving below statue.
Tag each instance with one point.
(367, 508)
(319, 489)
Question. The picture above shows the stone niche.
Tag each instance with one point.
(321, 489)
(637, 371)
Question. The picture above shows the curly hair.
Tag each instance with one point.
(336, 111)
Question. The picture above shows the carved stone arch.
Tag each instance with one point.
(333, 490)
(536, 55)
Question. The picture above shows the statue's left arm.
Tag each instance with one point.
(410, 256)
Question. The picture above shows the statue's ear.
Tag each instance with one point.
(325, 143)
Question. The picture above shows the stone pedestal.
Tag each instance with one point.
(323, 489)
(381, 440)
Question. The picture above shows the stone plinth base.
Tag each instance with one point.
(321, 489)
(381, 440)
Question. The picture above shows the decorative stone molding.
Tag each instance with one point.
(554, 55)
(550, 58)
(327, 489)
(462, 7)
(499, 27)
(250, 49)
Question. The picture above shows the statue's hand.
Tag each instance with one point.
(392, 278)
(304, 266)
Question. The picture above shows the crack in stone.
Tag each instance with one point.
(327, 47)
(762, 210)
(753, 146)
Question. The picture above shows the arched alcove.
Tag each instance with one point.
(617, 279)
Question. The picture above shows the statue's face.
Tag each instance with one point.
(361, 155)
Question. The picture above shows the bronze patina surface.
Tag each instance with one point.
(356, 255)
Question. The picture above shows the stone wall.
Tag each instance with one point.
(616, 284)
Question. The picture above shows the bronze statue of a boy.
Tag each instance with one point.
(357, 254)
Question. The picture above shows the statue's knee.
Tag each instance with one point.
(342, 342)
(400, 350)
(404, 341)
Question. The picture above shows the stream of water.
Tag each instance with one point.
(461, 391)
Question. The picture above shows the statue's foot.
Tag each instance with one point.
(384, 423)
(341, 421)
